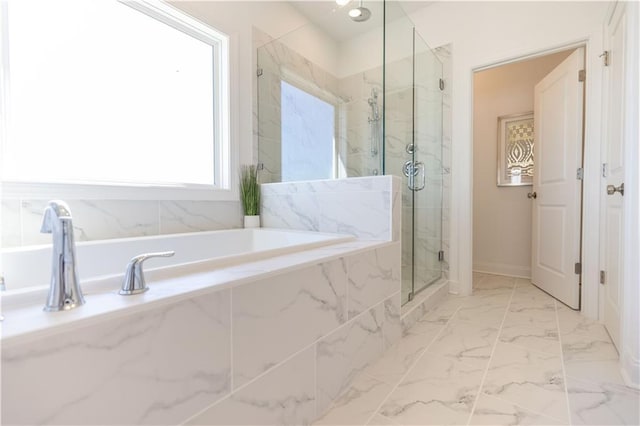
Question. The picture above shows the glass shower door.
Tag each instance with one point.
(413, 146)
(428, 182)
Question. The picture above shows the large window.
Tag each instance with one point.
(112, 92)
(308, 135)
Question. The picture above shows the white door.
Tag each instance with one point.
(558, 113)
(612, 221)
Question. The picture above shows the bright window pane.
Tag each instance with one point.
(307, 135)
(102, 92)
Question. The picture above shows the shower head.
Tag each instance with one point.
(360, 13)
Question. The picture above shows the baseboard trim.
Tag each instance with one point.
(630, 370)
(502, 269)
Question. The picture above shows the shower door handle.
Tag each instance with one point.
(411, 169)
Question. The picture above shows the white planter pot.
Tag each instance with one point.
(252, 221)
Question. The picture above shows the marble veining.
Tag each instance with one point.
(267, 313)
(345, 353)
(372, 278)
(602, 403)
(284, 396)
(439, 390)
(106, 219)
(518, 384)
(333, 206)
(111, 361)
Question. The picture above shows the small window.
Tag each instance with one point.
(107, 92)
(308, 141)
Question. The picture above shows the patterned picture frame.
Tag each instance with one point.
(515, 149)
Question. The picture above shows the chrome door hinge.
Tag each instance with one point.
(582, 75)
(605, 58)
(602, 277)
(259, 72)
(441, 84)
(260, 166)
(604, 169)
(580, 173)
(441, 256)
(577, 268)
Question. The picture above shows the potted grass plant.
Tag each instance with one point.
(250, 195)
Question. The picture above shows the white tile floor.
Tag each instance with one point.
(509, 354)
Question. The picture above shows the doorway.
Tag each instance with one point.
(507, 209)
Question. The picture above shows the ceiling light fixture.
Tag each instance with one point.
(360, 13)
(342, 2)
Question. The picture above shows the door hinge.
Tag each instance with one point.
(602, 277)
(260, 166)
(441, 84)
(582, 75)
(604, 169)
(578, 268)
(605, 58)
(441, 256)
(580, 173)
(259, 72)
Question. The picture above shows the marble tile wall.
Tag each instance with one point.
(350, 95)
(105, 219)
(295, 350)
(359, 206)
(275, 350)
(277, 62)
(153, 367)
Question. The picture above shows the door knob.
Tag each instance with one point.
(612, 189)
(532, 195)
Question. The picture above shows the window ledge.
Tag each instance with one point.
(79, 191)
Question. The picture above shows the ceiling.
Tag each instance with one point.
(334, 19)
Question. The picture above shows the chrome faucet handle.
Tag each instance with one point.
(133, 282)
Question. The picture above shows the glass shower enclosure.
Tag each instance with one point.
(370, 104)
(413, 85)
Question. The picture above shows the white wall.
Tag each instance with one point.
(502, 215)
(484, 33)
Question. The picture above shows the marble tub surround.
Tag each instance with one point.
(288, 370)
(236, 344)
(112, 372)
(24, 319)
(545, 365)
(364, 207)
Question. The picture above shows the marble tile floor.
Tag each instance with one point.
(509, 354)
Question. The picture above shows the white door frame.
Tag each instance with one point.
(630, 313)
(630, 291)
(591, 184)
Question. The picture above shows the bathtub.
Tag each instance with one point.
(30, 267)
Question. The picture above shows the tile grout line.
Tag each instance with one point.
(526, 409)
(281, 363)
(493, 350)
(410, 368)
(564, 372)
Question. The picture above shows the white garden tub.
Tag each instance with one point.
(203, 262)
(30, 267)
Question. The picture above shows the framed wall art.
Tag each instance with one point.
(515, 149)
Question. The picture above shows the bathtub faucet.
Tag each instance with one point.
(64, 291)
(134, 282)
